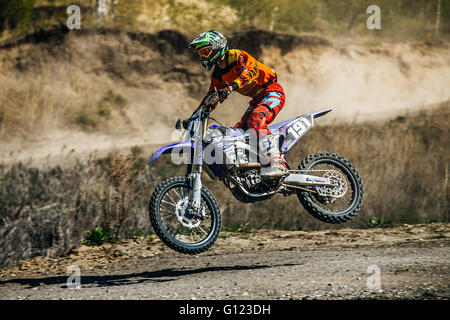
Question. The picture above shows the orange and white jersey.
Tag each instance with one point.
(250, 75)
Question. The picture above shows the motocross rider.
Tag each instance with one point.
(236, 70)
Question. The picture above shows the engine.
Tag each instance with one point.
(250, 179)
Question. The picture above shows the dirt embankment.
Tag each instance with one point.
(56, 83)
(404, 262)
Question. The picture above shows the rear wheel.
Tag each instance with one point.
(177, 223)
(337, 203)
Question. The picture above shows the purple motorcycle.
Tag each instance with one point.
(186, 216)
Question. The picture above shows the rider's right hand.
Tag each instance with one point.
(181, 124)
(178, 124)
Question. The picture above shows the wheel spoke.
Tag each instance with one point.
(179, 197)
(169, 203)
(173, 201)
(167, 211)
(166, 216)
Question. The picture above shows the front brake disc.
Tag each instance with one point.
(187, 215)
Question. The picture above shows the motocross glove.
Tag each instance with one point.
(181, 124)
(224, 93)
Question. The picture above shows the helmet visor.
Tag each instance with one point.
(204, 52)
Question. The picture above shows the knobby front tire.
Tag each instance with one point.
(176, 235)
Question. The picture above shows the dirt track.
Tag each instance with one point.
(413, 261)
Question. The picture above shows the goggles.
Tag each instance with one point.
(204, 52)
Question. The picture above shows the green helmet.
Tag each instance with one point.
(211, 46)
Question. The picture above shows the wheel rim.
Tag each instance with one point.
(343, 179)
(181, 222)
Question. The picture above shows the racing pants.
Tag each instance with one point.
(263, 109)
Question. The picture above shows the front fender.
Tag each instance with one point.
(168, 148)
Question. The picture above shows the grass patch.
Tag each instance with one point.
(347, 18)
(87, 119)
(241, 228)
(438, 236)
(91, 117)
(99, 236)
(115, 99)
(110, 102)
(9, 202)
(378, 222)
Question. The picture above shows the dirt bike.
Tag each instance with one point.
(186, 216)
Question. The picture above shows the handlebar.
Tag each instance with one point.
(205, 108)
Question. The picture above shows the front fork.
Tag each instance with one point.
(196, 189)
(195, 177)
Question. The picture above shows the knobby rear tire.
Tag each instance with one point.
(306, 198)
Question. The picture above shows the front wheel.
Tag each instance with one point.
(179, 225)
(337, 203)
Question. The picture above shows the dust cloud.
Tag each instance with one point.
(363, 84)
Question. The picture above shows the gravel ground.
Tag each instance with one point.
(404, 262)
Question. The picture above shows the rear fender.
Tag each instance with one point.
(295, 129)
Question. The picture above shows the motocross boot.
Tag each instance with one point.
(269, 148)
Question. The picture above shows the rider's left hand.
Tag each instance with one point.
(224, 93)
